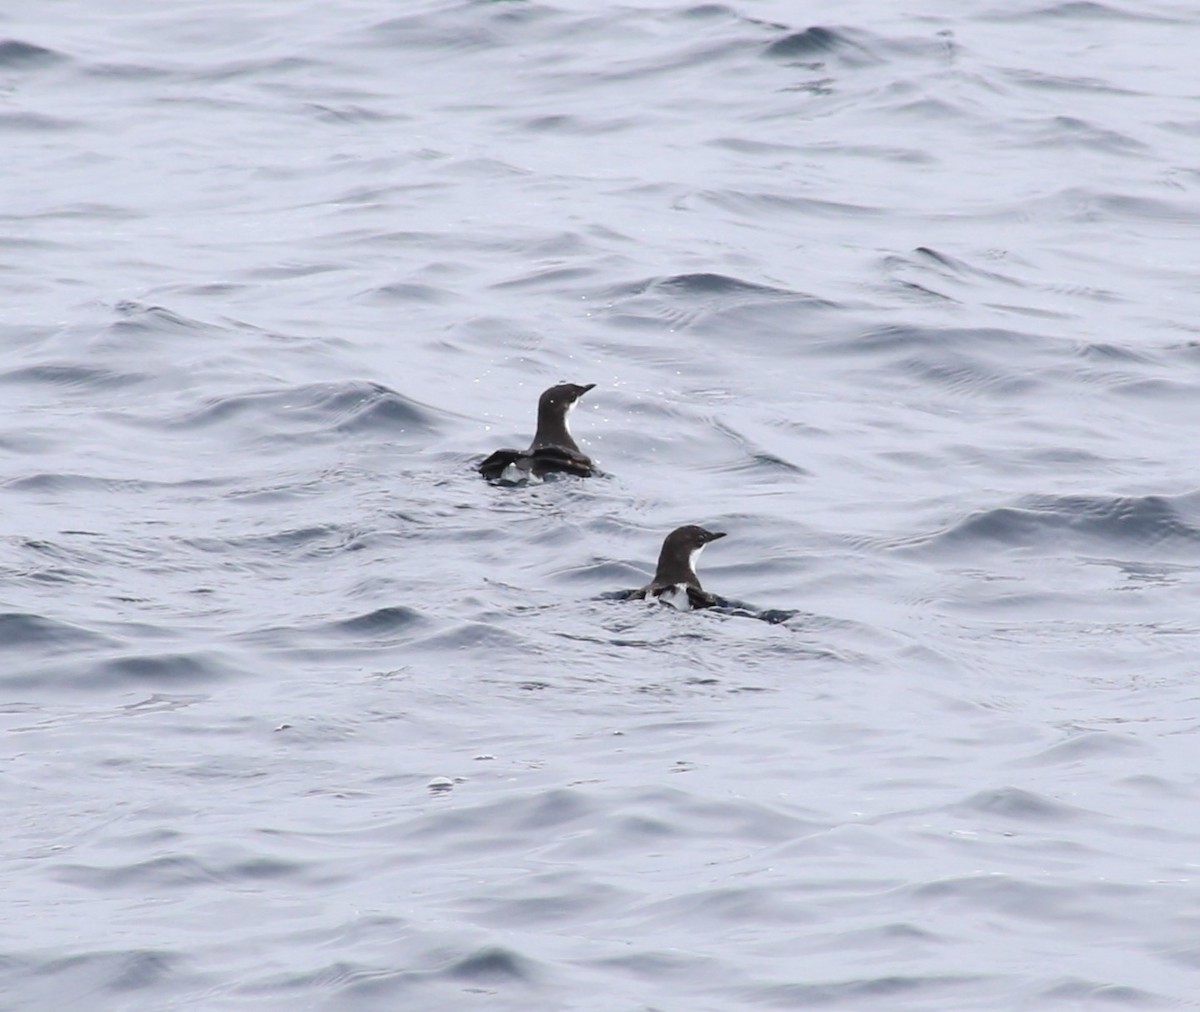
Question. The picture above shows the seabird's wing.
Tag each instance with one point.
(558, 458)
(495, 465)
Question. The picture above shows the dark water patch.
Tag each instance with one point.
(16, 54)
(35, 122)
(315, 541)
(19, 630)
(1077, 10)
(691, 56)
(973, 362)
(139, 319)
(409, 291)
(603, 571)
(269, 66)
(71, 483)
(1148, 522)
(1105, 352)
(1046, 902)
(475, 636)
(1150, 209)
(707, 12)
(843, 994)
(173, 872)
(492, 965)
(965, 377)
(76, 981)
(574, 126)
(352, 114)
(286, 270)
(687, 300)
(1159, 390)
(431, 37)
(816, 42)
(1088, 994)
(510, 820)
(553, 278)
(762, 207)
(478, 979)
(346, 407)
(1071, 132)
(754, 457)
(959, 267)
(131, 671)
(1084, 748)
(938, 341)
(1019, 805)
(171, 670)
(127, 72)
(749, 146)
(93, 483)
(382, 621)
(71, 377)
(687, 285)
(80, 210)
(1034, 78)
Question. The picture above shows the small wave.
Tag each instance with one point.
(427, 35)
(17, 54)
(1083, 748)
(47, 981)
(22, 629)
(1014, 803)
(1089, 522)
(171, 871)
(919, 991)
(49, 482)
(1076, 10)
(171, 671)
(259, 66)
(157, 669)
(1056, 82)
(346, 407)
(395, 618)
(1077, 993)
(35, 121)
(694, 284)
(763, 206)
(139, 318)
(575, 126)
(492, 964)
(72, 376)
(1070, 131)
(408, 292)
(810, 42)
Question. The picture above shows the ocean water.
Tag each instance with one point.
(298, 712)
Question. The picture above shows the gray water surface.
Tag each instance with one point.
(299, 713)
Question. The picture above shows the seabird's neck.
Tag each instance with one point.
(552, 428)
(673, 569)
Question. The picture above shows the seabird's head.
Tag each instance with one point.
(562, 398)
(677, 561)
(553, 407)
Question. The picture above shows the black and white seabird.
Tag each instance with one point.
(552, 448)
(675, 581)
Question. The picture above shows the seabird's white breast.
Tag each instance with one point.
(677, 597)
